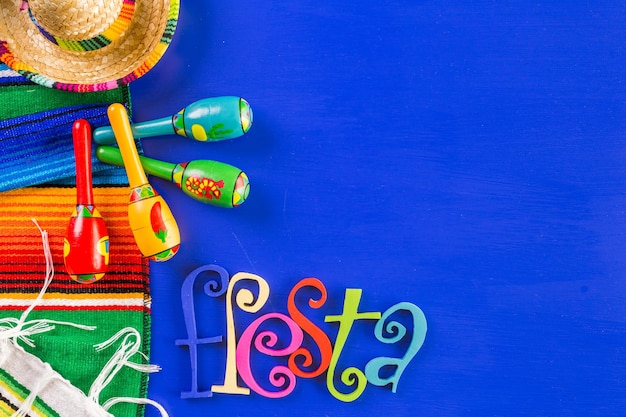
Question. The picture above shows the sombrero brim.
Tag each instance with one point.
(136, 51)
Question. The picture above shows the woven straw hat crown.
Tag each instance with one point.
(76, 20)
(85, 45)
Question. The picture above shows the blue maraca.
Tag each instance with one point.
(206, 120)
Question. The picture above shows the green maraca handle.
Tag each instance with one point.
(207, 120)
(210, 182)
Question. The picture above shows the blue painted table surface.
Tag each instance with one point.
(467, 157)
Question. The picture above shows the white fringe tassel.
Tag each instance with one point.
(13, 330)
(21, 329)
(131, 343)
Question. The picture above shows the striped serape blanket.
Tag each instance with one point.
(119, 300)
(37, 182)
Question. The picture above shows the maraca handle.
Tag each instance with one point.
(124, 136)
(81, 134)
(111, 155)
(104, 135)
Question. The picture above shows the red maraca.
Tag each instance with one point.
(86, 244)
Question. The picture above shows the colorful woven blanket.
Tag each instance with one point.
(35, 149)
(35, 131)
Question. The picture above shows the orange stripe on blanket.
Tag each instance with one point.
(23, 265)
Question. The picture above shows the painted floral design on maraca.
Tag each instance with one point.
(156, 216)
(204, 187)
(156, 221)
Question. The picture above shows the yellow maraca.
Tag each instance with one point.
(155, 229)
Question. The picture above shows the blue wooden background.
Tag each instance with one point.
(465, 156)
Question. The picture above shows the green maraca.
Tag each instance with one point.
(207, 120)
(210, 182)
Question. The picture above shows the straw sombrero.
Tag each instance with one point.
(85, 45)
